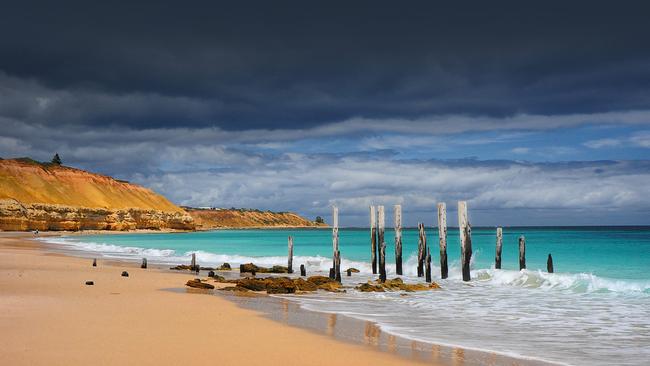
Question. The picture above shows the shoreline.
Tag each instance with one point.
(43, 297)
(350, 331)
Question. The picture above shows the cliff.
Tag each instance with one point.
(54, 197)
(206, 219)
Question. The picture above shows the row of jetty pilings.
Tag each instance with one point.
(378, 245)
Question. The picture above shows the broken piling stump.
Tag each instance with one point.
(522, 252)
(549, 264)
(303, 271)
(427, 270)
(497, 256)
(193, 266)
(144, 263)
(94, 262)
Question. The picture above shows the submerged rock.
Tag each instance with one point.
(182, 267)
(211, 274)
(280, 285)
(353, 270)
(125, 274)
(303, 285)
(234, 288)
(396, 284)
(196, 283)
(251, 268)
(224, 267)
(253, 284)
(369, 287)
(319, 280)
(272, 285)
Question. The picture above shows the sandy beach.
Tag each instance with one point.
(48, 316)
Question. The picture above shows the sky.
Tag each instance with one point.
(535, 113)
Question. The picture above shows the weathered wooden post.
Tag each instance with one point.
(144, 263)
(290, 256)
(373, 238)
(349, 272)
(337, 268)
(427, 271)
(398, 239)
(522, 252)
(442, 237)
(497, 257)
(549, 263)
(465, 239)
(94, 262)
(382, 244)
(303, 270)
(193, 266)
(336, 273)
(422, 247)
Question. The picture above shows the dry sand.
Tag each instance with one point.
(49, 317)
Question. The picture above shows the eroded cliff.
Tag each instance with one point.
(53, 197)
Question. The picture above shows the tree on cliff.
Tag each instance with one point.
(319, 220)
(56, 159)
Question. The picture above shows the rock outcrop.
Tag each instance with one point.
(283, 285)
(197, 283)
(396, 284)
(19, 216)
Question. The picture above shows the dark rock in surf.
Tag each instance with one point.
(197, 283)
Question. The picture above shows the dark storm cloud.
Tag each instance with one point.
(268, 64)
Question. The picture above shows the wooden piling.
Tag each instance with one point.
(382, 243)
(497, 256)
(290, 256)
(442, 237)
(373, 238)
(303, 270)
(549, 263)
(337, 267)
(94, 262)
(398, 239)
(144, 263)
(522, 252)
(427, 270)
(465, 239)
(422, 247)
(193, 265)
(349, 272)
(335, 244)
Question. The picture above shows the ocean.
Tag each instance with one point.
(594, 310)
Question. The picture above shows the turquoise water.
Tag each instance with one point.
(595, 310)
(615, 252)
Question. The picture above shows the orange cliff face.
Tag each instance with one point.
(206, 219)
(52, 197)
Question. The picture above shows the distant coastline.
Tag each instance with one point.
(53, 197)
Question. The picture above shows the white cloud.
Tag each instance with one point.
(641, 139)
(598, 144)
